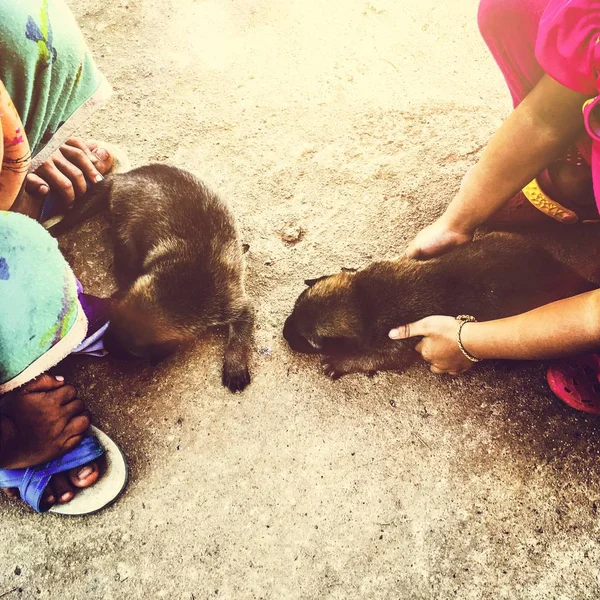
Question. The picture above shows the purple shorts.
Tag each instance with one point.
(96, 311)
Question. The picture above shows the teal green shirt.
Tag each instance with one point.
(38, 298)
(45, 65)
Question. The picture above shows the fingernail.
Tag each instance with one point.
(85, 472)
(50, 499)
(99, 178)
(59, 378)
(44, 189)
(66, 497)
(102, 154)
(394, 334)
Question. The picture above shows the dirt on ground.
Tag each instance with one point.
(354, 121)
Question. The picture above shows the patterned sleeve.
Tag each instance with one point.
(568, 47)
(15, 157)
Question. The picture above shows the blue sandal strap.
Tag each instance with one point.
(33, 481)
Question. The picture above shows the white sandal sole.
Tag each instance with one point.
(106, 490)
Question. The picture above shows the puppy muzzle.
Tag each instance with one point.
(295, 340)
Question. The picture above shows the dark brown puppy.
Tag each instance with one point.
(178, 262)
(348, 316)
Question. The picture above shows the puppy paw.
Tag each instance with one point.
(332, 368)
(336, 367)
(235, 379)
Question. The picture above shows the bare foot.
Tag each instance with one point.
(40, 422)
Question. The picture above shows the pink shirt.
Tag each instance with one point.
(568, 49)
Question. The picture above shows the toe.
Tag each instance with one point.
(83, 477)
(61, 488)
(11, 492)
(48, 498)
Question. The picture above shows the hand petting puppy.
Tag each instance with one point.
(438, 345)
(67, 169)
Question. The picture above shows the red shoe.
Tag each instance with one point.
(576, 381)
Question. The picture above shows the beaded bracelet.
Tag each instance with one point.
(465, 319)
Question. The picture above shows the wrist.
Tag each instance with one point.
(455, 223)
(465, 320)
(473, 204)
(470, 340)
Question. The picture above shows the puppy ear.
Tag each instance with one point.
(311, 282)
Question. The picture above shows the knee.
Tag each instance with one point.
(497, 17)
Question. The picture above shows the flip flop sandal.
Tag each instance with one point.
(576, 382)
(32, 481)
(533, 205)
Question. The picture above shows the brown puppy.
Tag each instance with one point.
(348, 316)
(179, 265)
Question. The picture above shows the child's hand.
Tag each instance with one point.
(67, 169)
(438, 345)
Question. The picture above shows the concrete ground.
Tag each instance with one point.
(355, 121)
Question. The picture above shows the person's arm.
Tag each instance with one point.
(15, 155)
(563, 328)
(547, 121)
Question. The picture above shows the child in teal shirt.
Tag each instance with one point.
(49, 86)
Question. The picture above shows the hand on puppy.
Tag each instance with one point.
(438, 346)
(67, 169)
(437, 238)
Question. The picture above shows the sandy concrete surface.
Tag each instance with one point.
(354, 120)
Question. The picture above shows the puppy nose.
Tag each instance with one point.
(294, 339)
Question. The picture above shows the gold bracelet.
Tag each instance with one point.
(465, 319)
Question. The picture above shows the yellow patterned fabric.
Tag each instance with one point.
(534, 193)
